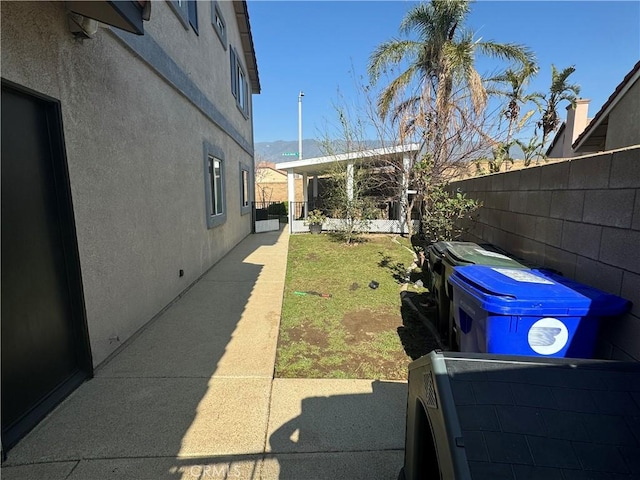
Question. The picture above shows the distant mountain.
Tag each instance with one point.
(275, 151)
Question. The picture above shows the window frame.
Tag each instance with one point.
(239, 83)
(212, 153)
(216, 14)
(233, 66)
(245, 189)
(180, 8)
(192, 14)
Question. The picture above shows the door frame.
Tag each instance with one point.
(53, 112)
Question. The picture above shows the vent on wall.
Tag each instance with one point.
(125, 15)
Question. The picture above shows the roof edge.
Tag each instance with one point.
(622, 88)
(242, 19)
(411, 147)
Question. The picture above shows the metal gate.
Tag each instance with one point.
(267, 216)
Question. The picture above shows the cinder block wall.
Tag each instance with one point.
(581, 217)
(277, 191)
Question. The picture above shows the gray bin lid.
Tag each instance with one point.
(469, 253)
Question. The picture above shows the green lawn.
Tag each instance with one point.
(354, 333)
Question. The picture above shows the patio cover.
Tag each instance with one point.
(322, 165)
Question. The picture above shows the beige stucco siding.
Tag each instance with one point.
(134, 146)
(624, 120)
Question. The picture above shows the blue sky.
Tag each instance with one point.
(319, 47)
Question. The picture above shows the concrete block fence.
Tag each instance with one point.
(580, 216)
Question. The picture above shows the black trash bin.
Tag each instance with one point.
(442, 258)
(481, 416)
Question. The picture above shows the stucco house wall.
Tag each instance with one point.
(138, 113)
(579, 216)
(622, 119)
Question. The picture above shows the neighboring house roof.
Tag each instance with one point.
(596, 132)
(242, 18)
(319, 165)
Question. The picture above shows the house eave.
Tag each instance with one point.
(595, 133)
(242, 19)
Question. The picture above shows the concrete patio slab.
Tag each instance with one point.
(192, 396)
(269, 258)
(143, 417)
(320, 415)
(240, 467)
(378, 465)
(216, 328)
(50, 471)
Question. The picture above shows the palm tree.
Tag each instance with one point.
(516, 82)
(440, 60)
(530, 150)
(560, 90)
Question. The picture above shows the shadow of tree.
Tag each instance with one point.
(340, 237)
(398, 270)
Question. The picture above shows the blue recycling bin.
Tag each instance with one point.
(528, 312)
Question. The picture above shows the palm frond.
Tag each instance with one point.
(393, 89)
(507, 51)
(390, 53)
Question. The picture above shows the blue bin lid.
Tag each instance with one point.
(513, 291)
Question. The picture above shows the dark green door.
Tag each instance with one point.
(44, 348)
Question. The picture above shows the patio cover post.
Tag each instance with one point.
(305, 193)
(291, 196)
(314, 191)
(350, 180)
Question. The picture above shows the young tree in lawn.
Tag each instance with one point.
(349, 185)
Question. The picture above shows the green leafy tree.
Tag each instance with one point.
(446, 213)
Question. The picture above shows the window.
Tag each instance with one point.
(214, 174)
(241, 91)
(192, 7)
(234, 70)
(179, 7)
(215, 177)
(245, 189)
(217, 20)
(239, 84)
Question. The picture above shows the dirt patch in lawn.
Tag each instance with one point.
(364, 366)
(362, 325)
(309, 334)
(313, 257)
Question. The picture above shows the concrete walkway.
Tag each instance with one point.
(193, 397)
